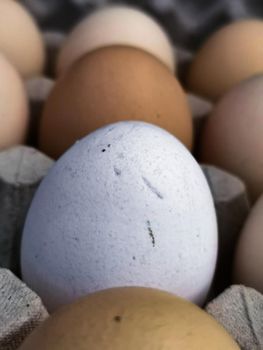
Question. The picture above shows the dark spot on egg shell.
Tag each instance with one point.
(117, 318)
(150, 232)
(117, 171)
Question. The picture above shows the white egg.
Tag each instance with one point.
(117, 25)
(126, 206)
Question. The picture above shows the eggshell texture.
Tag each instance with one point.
(20, 39)
(229, 56)
(13, 106)
(117, 25)
(110, 85)
(248, 264)
(127, 205)
(232, 136)
(130, 318)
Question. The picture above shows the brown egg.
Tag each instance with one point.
(20, 39)
(130, 319)
(232, 135)
(248, 262)
(13, 106)
(110, 85)
(229, 56)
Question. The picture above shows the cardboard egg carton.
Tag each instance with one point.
(239, 310)
(38, 89)
(21, 310)
(21, 170)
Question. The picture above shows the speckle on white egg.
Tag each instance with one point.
(126, 206)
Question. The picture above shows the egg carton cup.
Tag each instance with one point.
(240, 311)
(21, 170)
(21, 310)
(38, 89)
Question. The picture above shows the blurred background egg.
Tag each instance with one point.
(13, 106)
(130, 318)
(126, 206)
(232, 135)
(20, 39)
(117, 25)
(248, 263)
(230, 55)
(110, 85)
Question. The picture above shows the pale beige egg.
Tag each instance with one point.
(117, 25)
(13, 106)
(20, 39)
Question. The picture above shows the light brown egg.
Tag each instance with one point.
(229, 56)
(13, 106)
(130, 319)
(232, 135)
(248, 262)
(109, 85)
(20, 39)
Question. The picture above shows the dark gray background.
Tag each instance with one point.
(188, 22)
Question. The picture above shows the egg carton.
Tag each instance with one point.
(21, 310)
(21, 170)
(238, 309)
